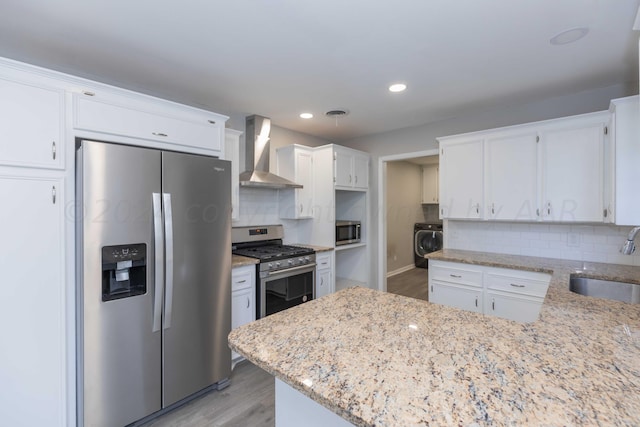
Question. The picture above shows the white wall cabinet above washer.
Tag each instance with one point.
(430, 193)
(164, 122)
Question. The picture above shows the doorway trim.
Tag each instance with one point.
(382, 208)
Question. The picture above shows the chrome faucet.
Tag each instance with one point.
(628, 248)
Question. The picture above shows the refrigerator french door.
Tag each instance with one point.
(154, 292)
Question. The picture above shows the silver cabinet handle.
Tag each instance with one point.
(213, 122)
(456, 276)
(53, 194)
(300, 207)
(248, 302)
(493, 304)
(356, 179)
(478, 208)
(476, 301)
(159, 265)
(53, 150)
(493, 208)
(321, 281)
(549, 208)
(350, 178)
(431, 288)
(241, 281)
(168, 237)
(538, 212)
(517, 286)
(159, 134)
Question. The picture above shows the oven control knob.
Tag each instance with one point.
(277, 264)
(307, 259)
(290, 261)
(270, 265)
(300, 260)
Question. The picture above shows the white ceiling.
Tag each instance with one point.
(278, 58)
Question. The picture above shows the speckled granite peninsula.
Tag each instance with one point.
(378, 359)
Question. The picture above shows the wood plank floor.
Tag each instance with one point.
(249, 400)
(413, 283)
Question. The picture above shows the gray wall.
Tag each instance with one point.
(404, 208)
(420, 138)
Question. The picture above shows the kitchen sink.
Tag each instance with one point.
(620, 291)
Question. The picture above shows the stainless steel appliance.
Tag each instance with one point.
(427, 238)
(154, 279)
(348, 232)
(285, 275)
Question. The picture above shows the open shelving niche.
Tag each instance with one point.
(351, 265)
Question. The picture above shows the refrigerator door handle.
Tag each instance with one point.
(159, 263)
(168, 236)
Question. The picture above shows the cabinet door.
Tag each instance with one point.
(511, 174)
(361, 171)
(461, 168)
(512, 307)
(31, 126)
(232, 153)
(323, 283)
(304, 175)
(127, 117)
(465, 298)
(242, 310)
(343, 169)
(572, 177)
(32, 307)
(430, 184)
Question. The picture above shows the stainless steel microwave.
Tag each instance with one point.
(348, 232)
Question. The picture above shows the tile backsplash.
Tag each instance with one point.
(596, 243)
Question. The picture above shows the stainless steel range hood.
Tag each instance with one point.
(257, 157)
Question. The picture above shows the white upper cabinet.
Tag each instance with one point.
(545, 171)
(430, 194)
(351, 168)
(572, 176)
(461, 173)
(161, 121)
(295, 163)
(232, 153)
(511, 177)
(626, 138)
(32, 125)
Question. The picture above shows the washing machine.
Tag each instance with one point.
(427, 238)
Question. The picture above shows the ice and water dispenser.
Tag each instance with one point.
(124, 271)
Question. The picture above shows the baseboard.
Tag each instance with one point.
(400, 270)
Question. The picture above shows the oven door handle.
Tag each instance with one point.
(288, 271)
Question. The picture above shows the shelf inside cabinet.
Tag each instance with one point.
(351, 246)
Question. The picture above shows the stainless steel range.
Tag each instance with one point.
(285, 275)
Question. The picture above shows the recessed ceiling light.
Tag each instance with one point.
(569, 36)
(397, 87)
(306, 115)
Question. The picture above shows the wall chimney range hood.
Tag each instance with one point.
(257, 157)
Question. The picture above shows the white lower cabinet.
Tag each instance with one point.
(243, 300)
(32, 307)
(511, 294)
(324, 274)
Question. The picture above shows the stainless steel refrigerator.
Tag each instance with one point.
(154, 274)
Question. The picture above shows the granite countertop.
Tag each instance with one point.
(379, 359)
(314, 247)
(239, 261)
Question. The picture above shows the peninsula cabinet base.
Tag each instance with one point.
(294, 409)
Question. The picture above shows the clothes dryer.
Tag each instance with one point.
(427, 238)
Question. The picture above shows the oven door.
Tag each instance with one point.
(279, 290)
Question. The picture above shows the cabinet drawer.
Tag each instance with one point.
(462, 297)
(516, 284)
(323, 261)
(455, 273)
(94, 113)
(241, 278)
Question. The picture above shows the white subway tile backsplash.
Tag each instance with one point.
(595, 243)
